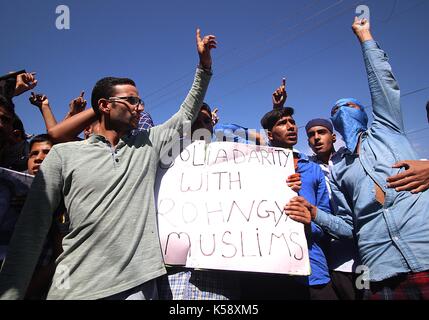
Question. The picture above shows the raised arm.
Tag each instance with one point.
(76, 106)
(385, 93)
(189, 109)
(42, 103)
(70, 128)
(24, 82)
(279, 96)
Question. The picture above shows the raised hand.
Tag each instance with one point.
(39, 100)
(77, 105)
(204, 45)
(362, 29)
(280, 95)
(215, 117)
(24, 82)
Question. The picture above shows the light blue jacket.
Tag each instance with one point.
(392, 238)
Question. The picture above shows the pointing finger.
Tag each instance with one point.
(399, 176)
(198, 35)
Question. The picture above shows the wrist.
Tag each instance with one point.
(278, 105)
(313, 212)
(364, 35)
(207, 66)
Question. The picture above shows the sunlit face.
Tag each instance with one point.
(38, 153)
(123, 115)
(321, 140)
(284, 134)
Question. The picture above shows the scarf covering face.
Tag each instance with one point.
(349, 122)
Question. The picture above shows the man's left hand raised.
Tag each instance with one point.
(204, 46)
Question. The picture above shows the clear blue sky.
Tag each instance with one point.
(308, 42)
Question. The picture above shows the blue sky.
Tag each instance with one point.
(308, 42)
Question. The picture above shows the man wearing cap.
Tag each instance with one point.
(341, 254)
(391, 227)
(282, 132)
(321, 139)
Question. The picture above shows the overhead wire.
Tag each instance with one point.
(339, 42)
(232, 50)
(220, 74)
(305, 31)
(234, 68)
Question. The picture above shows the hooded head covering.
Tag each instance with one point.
(349, 122)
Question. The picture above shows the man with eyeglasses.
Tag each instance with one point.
(391, 227)
(112, 250)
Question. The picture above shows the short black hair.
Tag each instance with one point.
(104, 88)
(270, 118)
(41, 138)
(7, 104)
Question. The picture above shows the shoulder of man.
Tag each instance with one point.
(69, 146)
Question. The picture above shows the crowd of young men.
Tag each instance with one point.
(92, 201)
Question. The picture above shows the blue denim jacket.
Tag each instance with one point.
(392, 238)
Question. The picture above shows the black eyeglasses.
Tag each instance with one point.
(132, 100)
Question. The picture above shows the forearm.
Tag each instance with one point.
(67, 116)
(384, 88)
(195, 98)
(334, 225)
(68, 129)
(48, 117)
(364, 35)
(188, 110)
